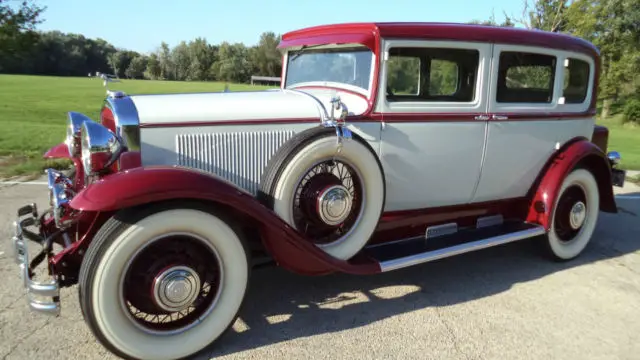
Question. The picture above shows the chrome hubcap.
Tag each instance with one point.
(578, 215)
(176, 288)
(334, 204)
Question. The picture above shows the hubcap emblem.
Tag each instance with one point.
(578, 215)
(176, 288)
(334, 204)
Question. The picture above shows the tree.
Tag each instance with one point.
(17, 35)
(136, 68)
(265, 57)
(153, 70)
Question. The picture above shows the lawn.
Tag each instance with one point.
(33, 116)
(624, 138)
(33, 112)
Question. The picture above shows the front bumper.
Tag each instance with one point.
(617, 175)
(42, 296)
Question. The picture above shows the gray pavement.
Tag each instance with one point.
(507, 302)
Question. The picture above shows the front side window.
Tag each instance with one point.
(339, 67)
(525, 78)
(417, 74)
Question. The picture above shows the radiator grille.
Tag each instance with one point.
(239, 157)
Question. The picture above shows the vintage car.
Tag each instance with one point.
(387, 145)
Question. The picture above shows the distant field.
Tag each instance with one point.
(33, 116)
(33, 112)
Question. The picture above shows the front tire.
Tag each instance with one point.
(163, 285)
(575, 215)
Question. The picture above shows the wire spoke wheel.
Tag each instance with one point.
(328, 201)
(171, 283)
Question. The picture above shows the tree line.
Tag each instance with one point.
(612, 25)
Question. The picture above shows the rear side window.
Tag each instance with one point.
(525, 78)
(576, 81)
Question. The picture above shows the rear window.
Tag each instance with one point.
(576, 81)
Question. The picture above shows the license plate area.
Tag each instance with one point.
(618, 177)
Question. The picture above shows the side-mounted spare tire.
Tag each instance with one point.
(335, 198)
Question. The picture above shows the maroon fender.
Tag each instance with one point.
(144, 185)
(580, 153)
(60, 151)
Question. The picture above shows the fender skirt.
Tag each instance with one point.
(145, 185)
(60, 151)
(579, 153)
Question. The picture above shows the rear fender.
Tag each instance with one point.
(580, 153)
(146, 185)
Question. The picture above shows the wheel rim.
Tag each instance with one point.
(171, 284)
(328, 201)
(571, 213)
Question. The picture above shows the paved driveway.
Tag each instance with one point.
(502, 303)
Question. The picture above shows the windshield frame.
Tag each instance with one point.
(291, 52)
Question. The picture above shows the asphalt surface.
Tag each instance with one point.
(507, 302)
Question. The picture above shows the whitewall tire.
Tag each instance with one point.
(575, 215)
(334, 198)
(183, 262)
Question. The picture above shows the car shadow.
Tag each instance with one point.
(282, 306)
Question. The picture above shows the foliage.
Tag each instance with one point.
(632, 111)
(17, 34)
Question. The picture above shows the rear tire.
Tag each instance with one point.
(575, 216)
(163, 263)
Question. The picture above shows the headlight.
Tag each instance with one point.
(75, 121)
(100, 147)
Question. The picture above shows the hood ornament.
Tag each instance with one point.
(106, 79)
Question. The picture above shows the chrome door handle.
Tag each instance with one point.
(500, 117)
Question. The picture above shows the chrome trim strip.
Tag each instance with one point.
(421, 258)
(127, 122)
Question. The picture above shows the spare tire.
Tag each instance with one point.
(335, 198)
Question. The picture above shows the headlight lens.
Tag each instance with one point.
(74, 125)
(100, 147)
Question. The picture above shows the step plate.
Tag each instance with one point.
(420, 250)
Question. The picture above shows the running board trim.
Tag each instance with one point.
(428, 256)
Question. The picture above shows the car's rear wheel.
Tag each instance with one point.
(165, 285)
(335, 198)
(575, 215)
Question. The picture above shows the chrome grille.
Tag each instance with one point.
(239, 157)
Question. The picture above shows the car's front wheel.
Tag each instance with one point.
(164, 284)
(575, 215)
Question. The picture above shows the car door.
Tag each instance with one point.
(530, 115)
(434, 110)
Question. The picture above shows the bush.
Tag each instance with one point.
(632, 112)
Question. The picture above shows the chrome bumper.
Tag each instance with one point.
(42, 296)
(617, 176)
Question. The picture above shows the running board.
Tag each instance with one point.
(420, 250)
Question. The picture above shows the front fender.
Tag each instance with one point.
(580, 153)
(145, 185)
(60, 151)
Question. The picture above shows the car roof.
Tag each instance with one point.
(369, 34)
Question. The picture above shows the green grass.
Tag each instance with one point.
(624, 138)
(33, 112)
(33, 116)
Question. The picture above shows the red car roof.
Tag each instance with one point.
(369, 34)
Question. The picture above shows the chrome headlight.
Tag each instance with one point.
(74, 125)
(100, 147)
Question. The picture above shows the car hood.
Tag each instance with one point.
(227, 106)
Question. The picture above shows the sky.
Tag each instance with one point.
(141, 25)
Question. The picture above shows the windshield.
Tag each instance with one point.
(340, 66)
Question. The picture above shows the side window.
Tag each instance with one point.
(576, 81)
(525, 78)
(432, 74)
(443, 77)
(403, 74)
